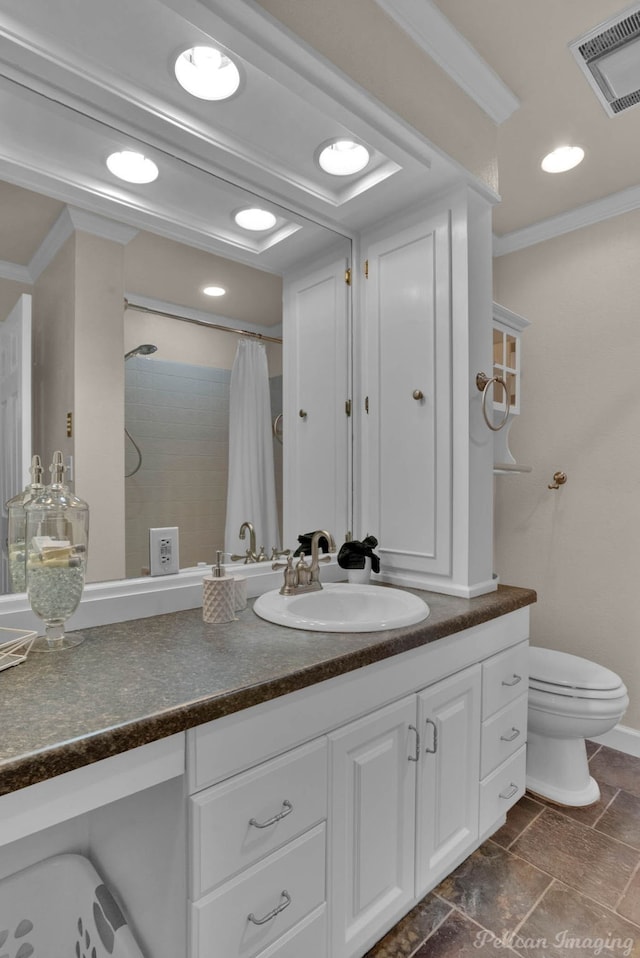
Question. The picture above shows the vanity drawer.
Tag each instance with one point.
(502, 789)
(306, 940)
(503, 734)
(229, 823)
(278, 893)
(504, 677)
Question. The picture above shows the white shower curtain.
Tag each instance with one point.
(251, 490)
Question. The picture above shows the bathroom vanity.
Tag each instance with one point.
(319, 783)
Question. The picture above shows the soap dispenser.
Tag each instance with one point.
(218, 594)
(16, 527)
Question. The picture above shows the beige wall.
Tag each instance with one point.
(99, 400)
(578, 546)
(359, 38)
(78, 343)
(53, 349)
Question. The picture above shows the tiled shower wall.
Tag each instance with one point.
(178, 415)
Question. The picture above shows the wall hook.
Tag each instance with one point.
(559, 479)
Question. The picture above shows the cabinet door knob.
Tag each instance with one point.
(512, 681)
(418, 394)
(303, 414)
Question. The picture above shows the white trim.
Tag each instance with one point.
(121, 600)
(15, 272)
(72, 219)
(437, 37)
(59, 799)
(508, 318)
(625, 201)
(622, 738)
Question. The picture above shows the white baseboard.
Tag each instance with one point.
(623, 738)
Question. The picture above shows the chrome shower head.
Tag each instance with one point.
(144, 350)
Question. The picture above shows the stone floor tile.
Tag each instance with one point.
(494, 888)
(622, 819)
(595, 864)
(518, 817)
(630, 904)
(457, 937)
(592, 747)
(587, 814)
(616, 768)
(565, 924)
(412, 930)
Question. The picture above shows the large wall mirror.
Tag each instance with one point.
(131, 361)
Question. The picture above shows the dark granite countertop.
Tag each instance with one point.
(135, 682)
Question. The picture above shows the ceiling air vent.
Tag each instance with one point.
(609, 56)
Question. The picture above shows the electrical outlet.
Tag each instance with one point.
(163, 551)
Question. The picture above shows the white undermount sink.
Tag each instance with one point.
(343, 607)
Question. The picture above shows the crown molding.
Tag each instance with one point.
(70, 220)
(625, 201)
(437, 37)
(15, 272)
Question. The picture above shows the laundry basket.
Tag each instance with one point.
(61, 908)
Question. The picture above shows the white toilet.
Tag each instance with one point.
(570, 699)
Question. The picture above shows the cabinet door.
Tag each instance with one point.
(316, 428)
(449, 772)
(407, 470)
(373, 824)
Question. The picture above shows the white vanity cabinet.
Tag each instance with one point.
(257, 866)
(427, 454)
(372, 787)
(404, 805)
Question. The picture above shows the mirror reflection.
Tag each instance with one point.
(142, 379)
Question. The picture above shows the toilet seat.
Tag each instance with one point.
(560, 673)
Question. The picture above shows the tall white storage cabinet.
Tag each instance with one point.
(427, 453)
(316, 357)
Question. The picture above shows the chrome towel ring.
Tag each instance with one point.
(483, 383)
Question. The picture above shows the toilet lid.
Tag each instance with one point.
(567, 674)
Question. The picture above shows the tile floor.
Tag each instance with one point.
(551, 883)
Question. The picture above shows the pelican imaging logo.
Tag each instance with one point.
(563, 942)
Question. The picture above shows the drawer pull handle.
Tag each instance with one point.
(435, 737)
(414, 758)
(513, 681)
(276, 911)
(510, 791)
(287, 808)
(509, 738)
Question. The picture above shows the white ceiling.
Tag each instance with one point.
(79, 80)
(527, 45)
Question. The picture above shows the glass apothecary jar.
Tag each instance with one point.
(57, 536)
(16, 528)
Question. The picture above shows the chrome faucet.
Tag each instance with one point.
(305, 577)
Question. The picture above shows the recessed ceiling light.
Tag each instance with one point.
(343, 157)
(255, 219)
(562, 159)
(207, 73)
(132, 167)
(214, 290)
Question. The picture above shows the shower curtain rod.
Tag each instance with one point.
(201, 322)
